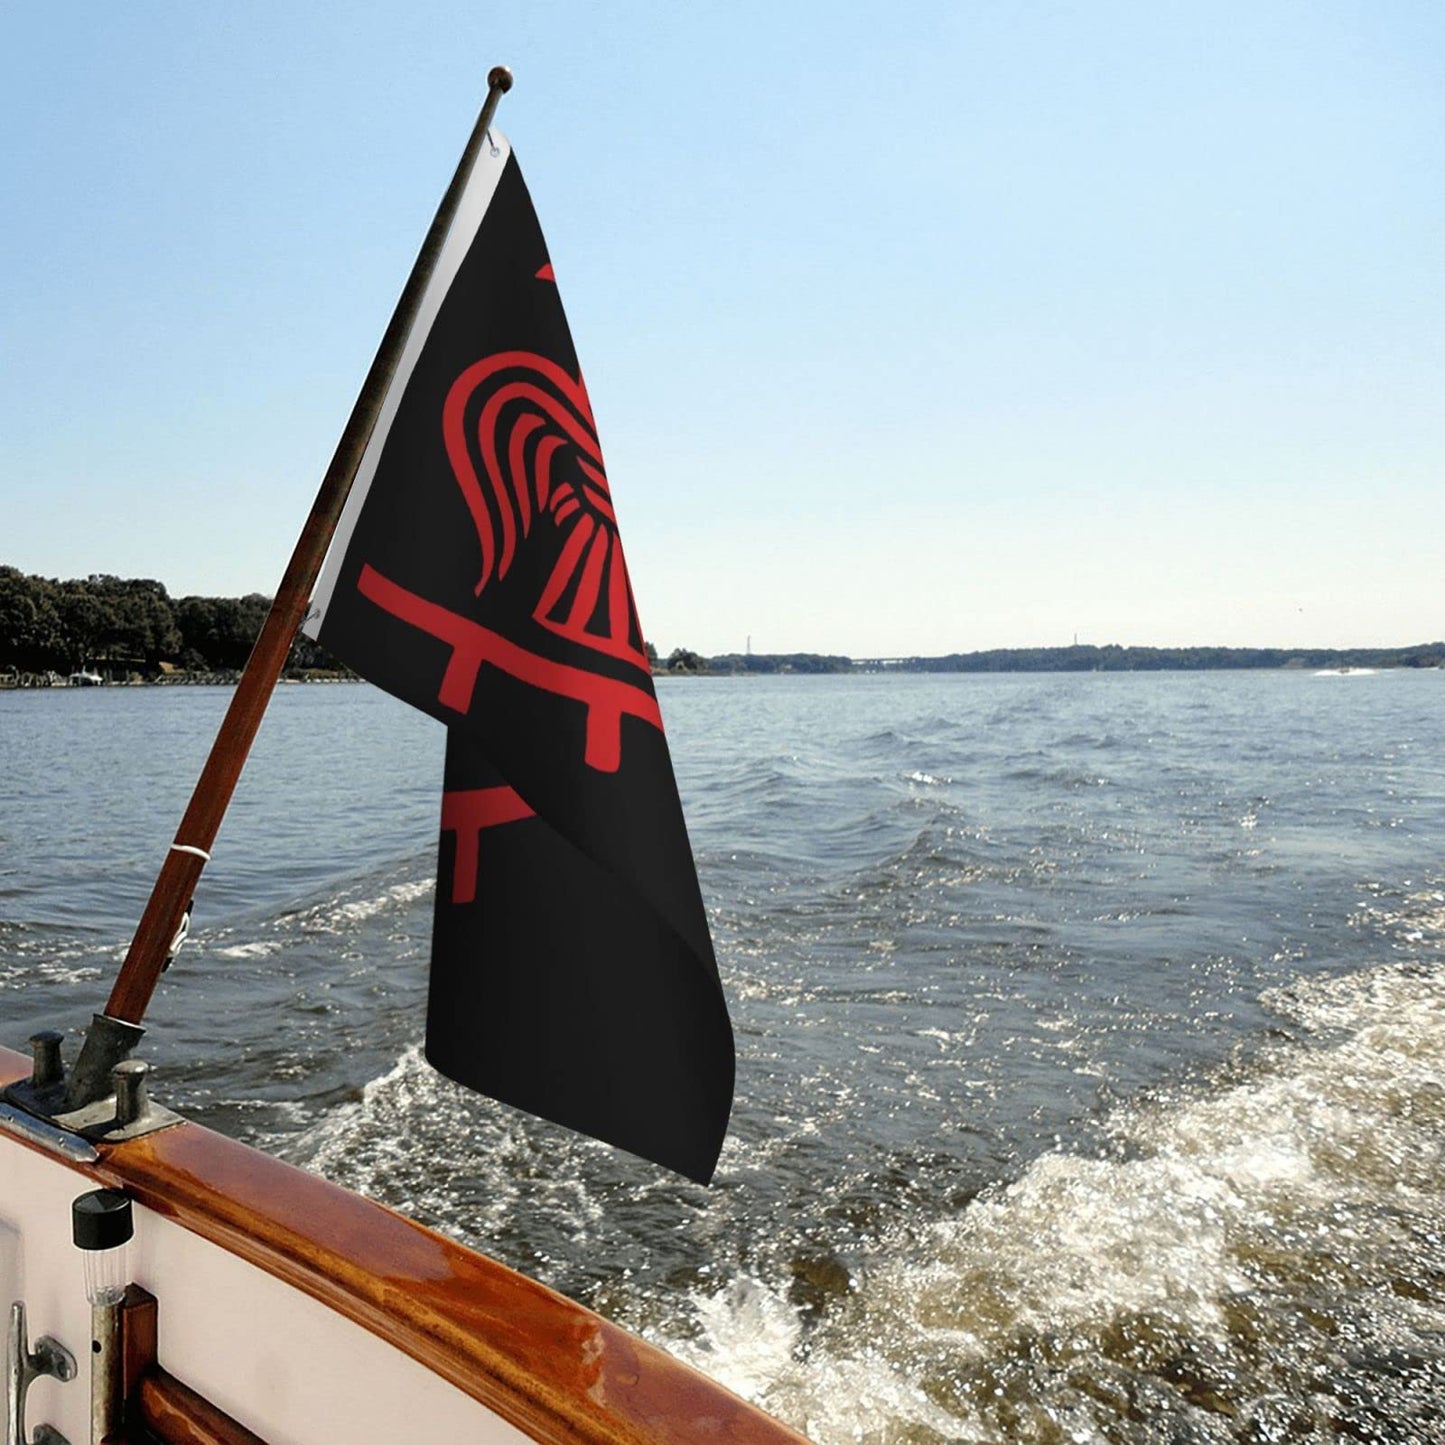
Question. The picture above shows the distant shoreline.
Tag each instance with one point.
(130, 631)
(1078, 658)
(1011, 660)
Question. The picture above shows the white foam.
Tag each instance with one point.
(385, 1145)
(27, 968)
(1172, 1230)
(259, 949)
(330, 918)
(747, 1336)
(750, 1339)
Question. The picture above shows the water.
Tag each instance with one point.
(1091, 1032)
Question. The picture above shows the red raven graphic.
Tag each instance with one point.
(531, 426)
(479, 577)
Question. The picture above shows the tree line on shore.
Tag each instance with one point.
(130, 626)
(133, 627)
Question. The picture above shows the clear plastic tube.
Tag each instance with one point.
(105, 1274)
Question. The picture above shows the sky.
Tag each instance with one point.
(908, 329)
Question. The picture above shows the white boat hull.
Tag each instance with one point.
(311, 1315)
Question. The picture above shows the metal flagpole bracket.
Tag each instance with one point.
(106, 1101)
(48, 1093)
(108, 1041)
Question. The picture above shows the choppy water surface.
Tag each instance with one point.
(1091, 1032)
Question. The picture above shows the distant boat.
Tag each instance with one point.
(1346, 672)
(84, 678)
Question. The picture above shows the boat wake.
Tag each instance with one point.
(1260, 1261)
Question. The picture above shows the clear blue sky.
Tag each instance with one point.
(908, 329)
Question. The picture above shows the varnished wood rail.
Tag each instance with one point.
(561, 1374)
(175, 1414)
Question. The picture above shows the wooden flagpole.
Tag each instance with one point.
(113, 1034)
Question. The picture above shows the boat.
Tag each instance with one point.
(165, 1283)
(265, 1304)
(84, 678)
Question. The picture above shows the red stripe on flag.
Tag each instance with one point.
(584, 602)
(517, 463)
(607, 700)
(567, 563)
(466, 812)
(547, 448)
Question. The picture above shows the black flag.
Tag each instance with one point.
(478, 574)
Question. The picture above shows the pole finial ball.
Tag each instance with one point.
(499, 78)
